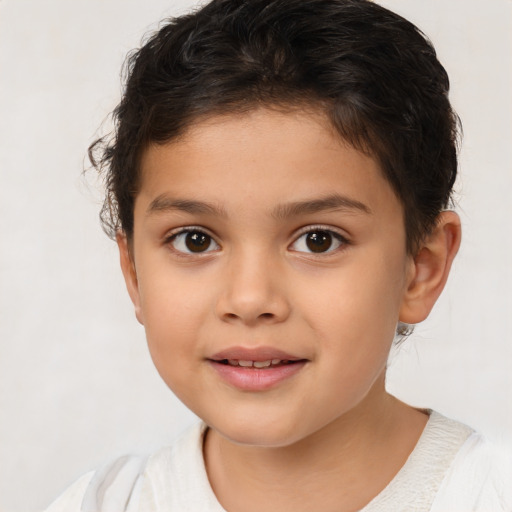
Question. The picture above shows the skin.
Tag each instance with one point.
(331, 429)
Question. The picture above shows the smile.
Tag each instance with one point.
(255, 364)
(255, 369)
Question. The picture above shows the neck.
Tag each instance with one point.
(341, 467)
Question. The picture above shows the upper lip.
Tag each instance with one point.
(253, 354)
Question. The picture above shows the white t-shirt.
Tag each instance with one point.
(451, 469)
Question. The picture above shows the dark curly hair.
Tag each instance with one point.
(373, 74)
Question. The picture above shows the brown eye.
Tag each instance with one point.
(318, 241)
(193, 241)
(197, 242)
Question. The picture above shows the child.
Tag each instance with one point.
(278, 186)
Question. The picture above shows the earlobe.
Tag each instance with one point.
(129, 273)
(430, 269)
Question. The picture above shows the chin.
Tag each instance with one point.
(264, 434)
(258, 439)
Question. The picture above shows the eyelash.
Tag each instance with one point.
(172, 237)
(335, 236)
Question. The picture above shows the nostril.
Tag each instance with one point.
(267, 315)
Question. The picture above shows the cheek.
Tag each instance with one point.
(174, 313)
(354, 336)
(170, 297)
(355, 312)
(354, 301)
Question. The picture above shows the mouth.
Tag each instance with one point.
(269, 363)
(257, 369)
(256, 356)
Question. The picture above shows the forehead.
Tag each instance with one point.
(259, 159)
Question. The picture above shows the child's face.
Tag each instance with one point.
(263, 237)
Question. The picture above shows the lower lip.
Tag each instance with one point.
(255, 379)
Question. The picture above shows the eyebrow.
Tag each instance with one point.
(164, 204)
(331, 202)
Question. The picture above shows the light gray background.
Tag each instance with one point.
(77, 386)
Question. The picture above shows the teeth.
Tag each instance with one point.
(262, 364)
(255, 364)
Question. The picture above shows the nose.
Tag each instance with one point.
(253, 292)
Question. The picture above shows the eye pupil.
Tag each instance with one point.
(197, 241)
(319, 241)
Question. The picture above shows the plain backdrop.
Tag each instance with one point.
(77, 386)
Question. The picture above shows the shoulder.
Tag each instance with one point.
(176, 478)
(478, 478)
(71, 499)
(132, 483)
(114, 486)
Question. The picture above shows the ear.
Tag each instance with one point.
(430, 268)
(129, 273)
